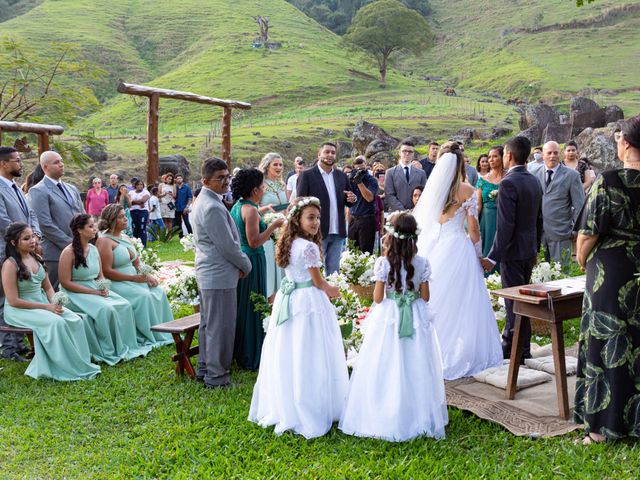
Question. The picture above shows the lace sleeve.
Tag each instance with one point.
(471, 205)
(425, 276)
(311, 256)
(380, 270)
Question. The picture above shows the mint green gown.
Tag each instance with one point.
(111, 327)
(61, 347)
(150, 305)
(276, 195)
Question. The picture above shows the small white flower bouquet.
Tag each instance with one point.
(493, 194)
(148, 255)
(103, 284)
(60, 298)
(145, 269)
(271, 217)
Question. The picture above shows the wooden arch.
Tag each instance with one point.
(41, 130)
(154, 94)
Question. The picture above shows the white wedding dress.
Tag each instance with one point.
(303, 380)
(396, 391)
(464, 319)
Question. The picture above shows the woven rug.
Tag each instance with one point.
(533, 412)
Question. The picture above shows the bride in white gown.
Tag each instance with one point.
(463, 317)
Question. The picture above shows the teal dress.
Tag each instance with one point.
(488, 217)
(61, 347)
(150, 305)
(111, 327)
(275, 194)
(249, 330)
(125, 206)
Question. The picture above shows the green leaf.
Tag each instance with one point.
(605, 325)
(615, 351)
(618, 203)
(612, 244)
(597, 283)
(596, 389)
(632, 414)
(629, 300)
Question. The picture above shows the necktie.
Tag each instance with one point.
(64, 192)
(20, 199)
(406, 173)
(549, 173)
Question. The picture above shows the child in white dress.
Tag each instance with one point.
(396, 391)
(303, 380)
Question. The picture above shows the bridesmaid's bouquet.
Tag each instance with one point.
(271, 217)
(103, 284)
(145, 269)
(60, 298)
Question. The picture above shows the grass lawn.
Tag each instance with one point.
(138, 420)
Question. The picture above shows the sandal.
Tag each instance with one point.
(593, 438)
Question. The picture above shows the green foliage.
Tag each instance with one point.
(162, 234)
(385, 27)
(14, 8)
(260, 304)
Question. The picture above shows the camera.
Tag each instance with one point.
(357, 176)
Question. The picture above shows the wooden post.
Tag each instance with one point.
(43, 143)
(152, 139)
(226, 136)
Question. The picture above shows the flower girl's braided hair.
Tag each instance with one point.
(293, 230)
(400, 248)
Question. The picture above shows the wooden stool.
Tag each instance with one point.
(186, 326)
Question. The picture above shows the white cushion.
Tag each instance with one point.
(545, 364)
(497, 376)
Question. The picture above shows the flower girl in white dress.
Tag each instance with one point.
(303, 379)
(396, 391)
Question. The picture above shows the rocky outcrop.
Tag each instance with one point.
(585, 113)
(176, 164)
(540, 115)
(612, 114)
(364, 133)
(557, 132)
(598, 147)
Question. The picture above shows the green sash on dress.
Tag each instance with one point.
(282, 304)
(404, 302)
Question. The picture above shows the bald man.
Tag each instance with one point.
(55, 204)
(562, 200)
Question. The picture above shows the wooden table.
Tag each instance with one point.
(563, 307)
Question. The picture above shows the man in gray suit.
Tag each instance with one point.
(562, 200)
(219, 265)
(401, 180)
(14, 207)
(56, 204)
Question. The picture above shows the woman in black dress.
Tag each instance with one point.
(608, 387)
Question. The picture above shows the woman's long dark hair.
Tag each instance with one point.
(12, 234)
(78, 222)
(401, 251)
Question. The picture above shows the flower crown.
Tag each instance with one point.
(305, 202)
(402, 236)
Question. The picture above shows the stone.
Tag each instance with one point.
(344, 149)
(379, 145)
(364, 133)
(466, 134)
(417, 139)
(612, 114)
(388, 159)
(585, 113)
(97, 153)
(176, 164)
(534, 134)
(541, 115)
(598, 147)
(498, 132)
(560, 133)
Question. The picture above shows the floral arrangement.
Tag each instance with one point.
(493, 194)
(145, 269)
(262, 307)
(183, 290)
(305, 201)
(148, 255)
(402, 236)
(494, 282)
(103, 284)
(349, 310)
(188, 243)
(357, 266)
(271, 217)
(546, 272)
(60, 298)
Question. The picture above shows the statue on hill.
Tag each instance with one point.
(263, 23)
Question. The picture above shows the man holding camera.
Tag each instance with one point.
(362, 223)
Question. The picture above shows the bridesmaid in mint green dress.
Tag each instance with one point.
(248, 187)
(61, 348)
(120, 264)
(110, 322)
(275, 198)
(487, 194)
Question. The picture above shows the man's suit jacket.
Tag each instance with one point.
(397, 192)
(54, 212)
(12, 211)
(219, 258)
(519, 217)
(561, 201)
(471, 174)
(311, 184)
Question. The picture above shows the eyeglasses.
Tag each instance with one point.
(221, 179)
(408, 151)
(617, 136)
(15, 161)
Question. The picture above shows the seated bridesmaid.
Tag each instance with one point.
(61, 348)
(110, 323)
(121, 265)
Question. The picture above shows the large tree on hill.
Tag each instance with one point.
(387, 27)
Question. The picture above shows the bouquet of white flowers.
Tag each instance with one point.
(271, 217)
(545, 272)
(145, 269)
(183, 290)
(493, 194)
(103, 284)
(188, 243)
(60, 298)
(148, 255)
(357, 267)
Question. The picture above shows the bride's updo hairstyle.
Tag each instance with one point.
(292, 230)
(454, 148)
(400, 248)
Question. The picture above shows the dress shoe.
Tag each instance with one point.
(15, 357)
(221, 386)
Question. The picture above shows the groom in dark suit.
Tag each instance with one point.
(518, 231)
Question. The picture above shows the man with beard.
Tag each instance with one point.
(14, 207)
(333, 189)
